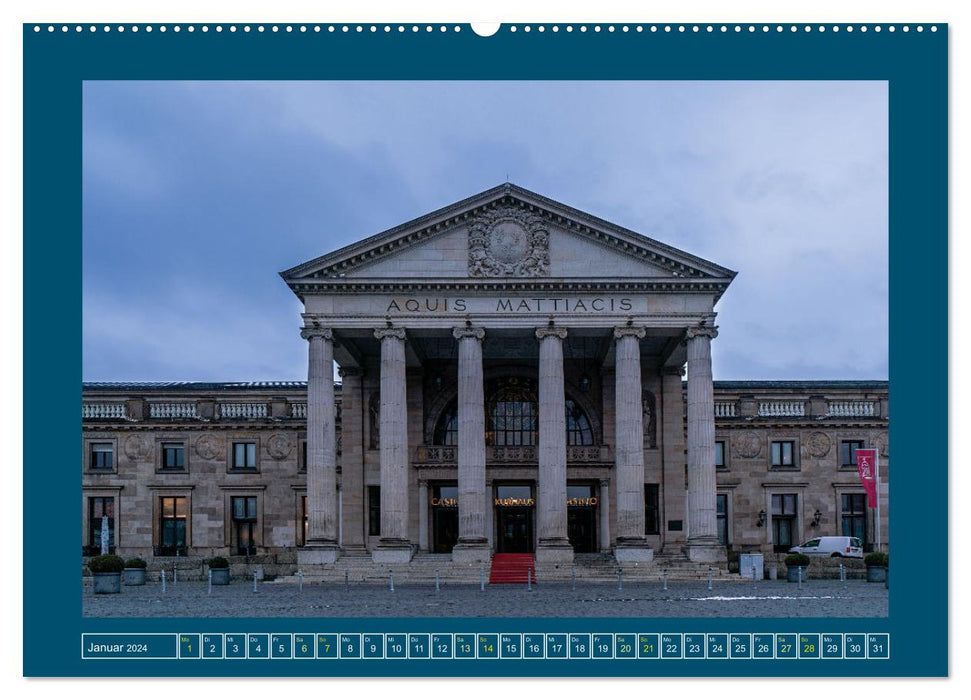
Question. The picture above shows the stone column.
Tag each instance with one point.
(472, 545)
(702, 526)
(352, 462)
(490, 510)
(553, 544)
(394, 546)
(673, 496)
(422, 515)
(321, 546)
(604, 504)
(629, 447)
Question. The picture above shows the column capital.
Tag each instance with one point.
(476, 332)
(673, 370)
(551, 331)
(703, 332)
(604, 483)
(308, 332)
(350, 371)
(629, 332)
(382, 333)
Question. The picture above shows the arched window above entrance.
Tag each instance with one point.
(512, 417)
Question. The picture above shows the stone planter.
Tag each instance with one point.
(793, 574)
(107, 582)
(220, 577)
(134, 577)
(876, 574)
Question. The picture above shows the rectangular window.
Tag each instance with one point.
(721, 511)
(173, 456)
(782, 454)
(719, 454)
(848, 450)
(652, 510)
(303, 456)
(783, 521)
(374, 511)
(853, 516)
(244, 455)
(244, 524)
(102, 455)
(172, 533)
(100, 507)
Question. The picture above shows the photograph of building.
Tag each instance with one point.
(515, 376)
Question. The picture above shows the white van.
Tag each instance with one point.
(832, 547)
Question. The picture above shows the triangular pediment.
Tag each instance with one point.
(507, 233)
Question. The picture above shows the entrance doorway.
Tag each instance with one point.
(581, 517)
(514, 518)
(445, 518)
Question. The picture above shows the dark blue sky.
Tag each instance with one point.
(196, 194)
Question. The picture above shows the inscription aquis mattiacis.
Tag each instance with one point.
(512, 305)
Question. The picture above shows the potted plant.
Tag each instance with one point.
(219, 571)
(134, 574)
(876, 567)
(107, 569)
(797, 565)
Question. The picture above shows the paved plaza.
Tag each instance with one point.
(824, 598)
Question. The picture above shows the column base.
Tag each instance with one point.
(354, 550)
(392, 552)
(706, 551)
(555, 551)
(325, 553)
(633, 550)
(472, 551)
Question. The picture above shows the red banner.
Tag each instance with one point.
(866, 464)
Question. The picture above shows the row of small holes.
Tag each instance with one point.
(414, 28)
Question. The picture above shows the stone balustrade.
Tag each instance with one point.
(784, 409)
(172, 410)
(298, 410)
(851, 409)
(243, 410)
(447, 455)
(725, 409)
(103, 410)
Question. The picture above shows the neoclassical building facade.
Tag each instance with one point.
(515, 376)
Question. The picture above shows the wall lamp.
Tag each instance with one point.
(761, 521)
(816, 517)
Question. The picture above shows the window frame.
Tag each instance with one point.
(92, 546)
(247, 521)
(231, 466)
(792, 518)
(860, 445)
(161, 445)
(160, 547)
(724, 449)
(89, 452)
(652, 502)
(794, 456)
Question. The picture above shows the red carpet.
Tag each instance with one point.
(512, 568)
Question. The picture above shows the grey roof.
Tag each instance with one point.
(193, 386)
(790, 384)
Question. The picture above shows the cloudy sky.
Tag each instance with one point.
(197, 193)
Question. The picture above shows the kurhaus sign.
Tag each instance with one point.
(512, 305)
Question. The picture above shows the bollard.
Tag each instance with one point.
(799, 576)
(437, 587)
(529, 579)
(573, 578)
(345, 578)
(709, 578)
(391, 580)
(254, 580)
(753, 577)
(300, 580)
(163, 580)
(664, 579)
(620, 579)
(842, 576)
(482, 578)
(175, 569)
(210, 581)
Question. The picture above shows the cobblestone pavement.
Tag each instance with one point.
(726, 599)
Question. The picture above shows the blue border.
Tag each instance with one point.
(915, 64)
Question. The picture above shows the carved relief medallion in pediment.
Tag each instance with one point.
(818, 444)
(279, 446)
(208, 446)
(509, 242)
(137, 447)
(748, 445)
